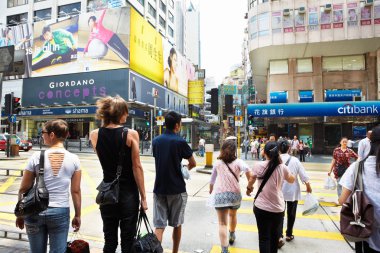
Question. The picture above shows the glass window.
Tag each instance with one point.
(333, 133)
(142, 2)
(68, 9)
(354, 62)
(42, 14)
(171, 32)
(171, 17)
(151, 10)
(304, 65)
(278, 67)
(17, 19)
(332, 63)
(264, 24)
(14, 3)
(163, 6)
(252, 3)
(162, 22)
(36, 1)
(171, 3)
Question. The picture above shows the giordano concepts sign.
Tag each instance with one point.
(366, 108)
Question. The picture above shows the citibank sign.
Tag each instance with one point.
(357, 110)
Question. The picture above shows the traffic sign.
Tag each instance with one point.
(160, 120)
(17, 141)
(238, 118)
(237, 112)
(160, 113)
(239, 123)
(12, 118)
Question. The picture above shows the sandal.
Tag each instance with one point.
(289, 238)
(280, 243)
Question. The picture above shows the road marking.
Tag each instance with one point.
(7, 216)
(299, 215)
(299, 233)
(301, 202)
(90, 182)
(9, 203)
(7, 184)
(217, 249)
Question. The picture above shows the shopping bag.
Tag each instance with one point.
(185, 172)
(310, 205)
(76, 245)
(330, 183)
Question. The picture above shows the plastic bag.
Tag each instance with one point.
(330, 183)
(185, 172)
(311, 205)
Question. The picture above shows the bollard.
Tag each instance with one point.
(209, 148)
(80, 144)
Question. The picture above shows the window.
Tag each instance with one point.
(163, 6)
(65, 10)
(142, 2)
(151, 10)
(14, 3)
(162, 22)
(171, 32)
(304, 65)
(171, 17)
(42, 15)
(171, 3)
(339, 63)
(252, 3)
(36, 1)
(278, 67)
(263, 24)
(17, 19)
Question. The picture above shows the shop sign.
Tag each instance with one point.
(58, 111)
(305, 96)
(364, 108)
(278, 97)
(341, 95)
(75, 120)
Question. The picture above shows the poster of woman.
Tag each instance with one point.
(365, 15)
(376, 10)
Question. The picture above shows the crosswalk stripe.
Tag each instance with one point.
(300, 233)
(217, 249)
(7, 184)
(299, 215)
(9, 203)
(7, 216)
(301, 202)
(89, 181)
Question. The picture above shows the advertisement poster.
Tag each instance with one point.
(300, 22)
(104, 40)
(104, 4)
(338, 16)
(55, 47)
(376, 10)
(288, 23)
(146, 49)
(236, 98)
(352, 16)
(325, 19)
(20, 36)
(276, 22)
(196, 92)
(313, 19)
(365, 15)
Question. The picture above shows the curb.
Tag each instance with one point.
(204, 170)
(12, 158)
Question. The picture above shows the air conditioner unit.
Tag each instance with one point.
(301, 10)
(286, 12)
(368, 2)
(327, 7)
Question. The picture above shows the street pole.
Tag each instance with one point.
(238, 140)
(221, 97)
(154, 110)
(151, 126)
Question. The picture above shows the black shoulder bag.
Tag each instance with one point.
(36, 199)
(267, 175)
(109, 192)
(232, 172)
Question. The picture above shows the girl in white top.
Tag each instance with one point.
(292, 192)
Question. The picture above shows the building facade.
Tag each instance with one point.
(316, 51)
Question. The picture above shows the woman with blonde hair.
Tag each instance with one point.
(107, 142)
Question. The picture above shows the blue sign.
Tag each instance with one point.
(237, 112)
(59, 111)
(341, 95)
(17, 141)
(12, 118)
(305, 96)
(359, 132)
(365, 108)
(277, 97)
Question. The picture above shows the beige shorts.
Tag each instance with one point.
(169, 209)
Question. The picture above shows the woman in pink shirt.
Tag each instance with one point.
(269, 204)
(225, 189)
(108, 37)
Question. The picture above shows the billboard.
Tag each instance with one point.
(196, 92)
(80, 88)
(146, 48)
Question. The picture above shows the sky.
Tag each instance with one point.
(222, 34)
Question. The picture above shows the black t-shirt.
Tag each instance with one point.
(168, 150)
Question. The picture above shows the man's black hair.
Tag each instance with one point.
(46, 29)
(171, 119)
(93, 18)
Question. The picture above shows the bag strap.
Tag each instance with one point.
(41, 170)
(267, 175)
(358, 182)
(232, 172)
(143, 217)
(288, 161)
(122, 153)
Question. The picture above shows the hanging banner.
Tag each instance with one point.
(376, 11)
(196, 92)
(299, 22)
(276, 22)
(365, 15)
(288, 22)
(338, 16)
(341, 95)
(305, 96)
(325, 19)
(313, 19)
(352, 17)
(277, 97)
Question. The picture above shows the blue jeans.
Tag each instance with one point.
(202, 150)
(53, 223)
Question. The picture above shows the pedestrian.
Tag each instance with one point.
(107, 143)
(292, 192)
(371, 186)
(225, 190)
(61, 173)
(364, 146)
(246, 147)
(170, 197)
(341, 161)
(272, 137)
(294, 146)
(309, 143)
(301, 148)
(201, 146)
(269, 204)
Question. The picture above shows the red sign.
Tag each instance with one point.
(325, 26)
(377, 21)
(288, 30)
(365, 22)
(300, 29)
(338, 25)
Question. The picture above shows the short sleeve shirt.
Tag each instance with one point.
(342, 158)
(168, 150)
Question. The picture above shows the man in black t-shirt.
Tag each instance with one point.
(170, 197)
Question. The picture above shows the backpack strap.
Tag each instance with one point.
(122, 152)
(288, 161)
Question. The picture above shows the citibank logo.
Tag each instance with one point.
(353, 109)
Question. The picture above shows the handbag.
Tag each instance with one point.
(109, 192)
(357, 214)
(77, 246)
(149, 242)
(341, 169)
(36, 199)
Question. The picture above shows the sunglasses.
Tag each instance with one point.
(44, 132)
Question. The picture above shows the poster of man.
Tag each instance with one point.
(338, 16)
(288, 21)
(276, 20)
(325, 17)
(366, 12)
(352, 15)
(54, 47)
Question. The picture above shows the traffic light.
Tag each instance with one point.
(8, 104)
(214, 100)
(16, 106)
(229, 104)
(250, 120)
(147, 118)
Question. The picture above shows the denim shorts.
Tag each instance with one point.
(228, 207)
(169, 209)
(53, 223)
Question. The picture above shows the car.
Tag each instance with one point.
(23, 144)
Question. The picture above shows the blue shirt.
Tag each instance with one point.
(168, 150)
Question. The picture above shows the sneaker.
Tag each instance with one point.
(232, 238)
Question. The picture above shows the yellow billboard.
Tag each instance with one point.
(146, 49)
(196, 92)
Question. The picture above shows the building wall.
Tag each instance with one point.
(192, 32)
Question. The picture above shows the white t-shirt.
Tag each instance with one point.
(364, 148)
(59, 185)
(202, 142)
(371, 184)
(295, 144)
(292, 192)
